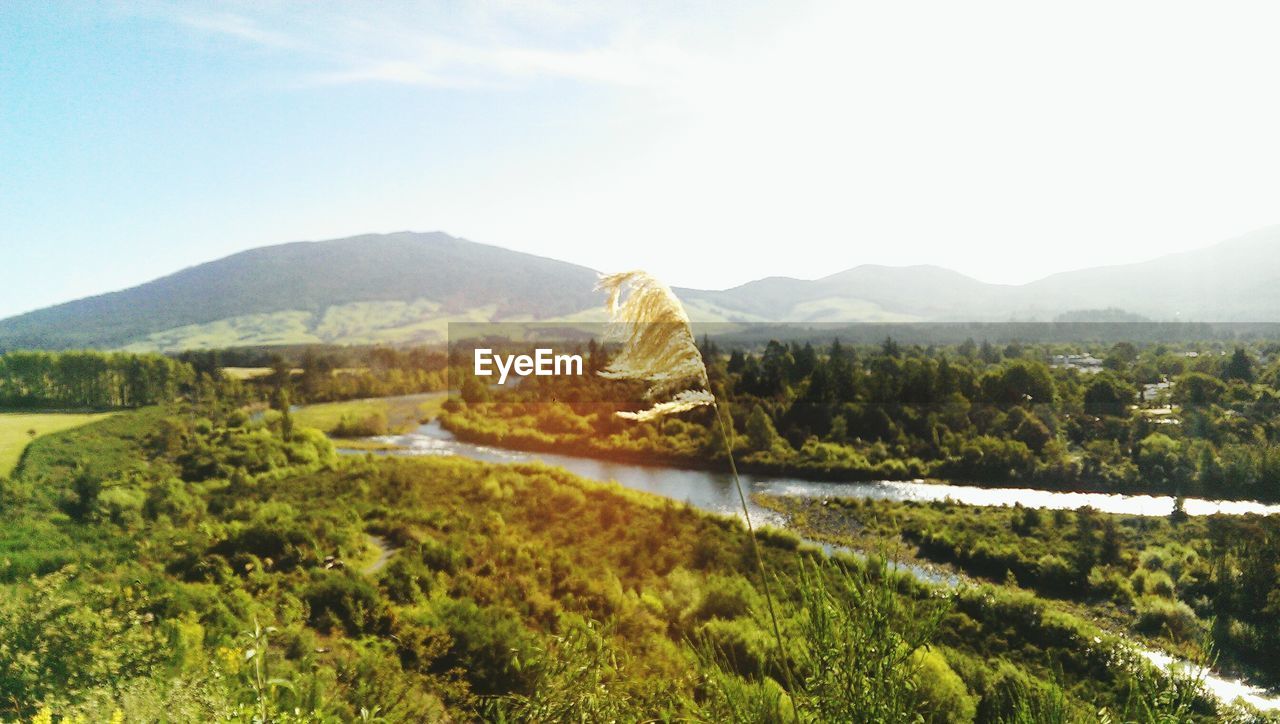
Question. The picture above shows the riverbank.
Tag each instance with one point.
(529, 440)
(713, 491)
(1154, 580)
(831, 484)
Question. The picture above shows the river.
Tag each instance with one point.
(714, 491)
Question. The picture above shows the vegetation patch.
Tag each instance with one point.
(19, 429)
(368, 418)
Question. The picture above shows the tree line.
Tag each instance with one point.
(1197, 420)
(89, 379)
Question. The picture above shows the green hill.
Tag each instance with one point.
(377, 287)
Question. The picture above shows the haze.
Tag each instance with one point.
(710, 143)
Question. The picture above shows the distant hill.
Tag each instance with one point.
(1237, 280)
(1234, 281)
(868, 293)
(407, 287)
(316, 291)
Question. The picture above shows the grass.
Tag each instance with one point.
(403, 413)
(18, 429)
(246, 373)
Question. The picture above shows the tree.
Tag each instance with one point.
(1032, 432)
(761, 434)
(1019, 382)
(1121, 355)
(473, 391)
(280, 402)
(1196, 388)
(1240, 367)
(1158, 457)
(1107, 394)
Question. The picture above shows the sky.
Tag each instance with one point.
(709, 143)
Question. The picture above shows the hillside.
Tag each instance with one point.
(868, 293)
(1234, 281)
(315, 291)
(406, 287)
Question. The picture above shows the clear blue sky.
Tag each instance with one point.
(711, 143)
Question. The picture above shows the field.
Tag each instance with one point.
(401, 414)
(246, 373)
(16, 430)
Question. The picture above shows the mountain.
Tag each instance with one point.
(407, 287)
(1234, 281)
(341, 290)
(1237, 280)
(868, 293)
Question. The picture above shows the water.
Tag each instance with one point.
(714, 491)
(1223, 688)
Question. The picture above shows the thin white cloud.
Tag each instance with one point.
(473, 45)
(236, 26)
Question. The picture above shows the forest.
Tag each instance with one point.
(319, 373)
(1193, 419)
(93, 380)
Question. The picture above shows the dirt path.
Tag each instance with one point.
(385, 551)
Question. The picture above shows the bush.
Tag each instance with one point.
(439, 556)
(406, 580)
(944, 695)
(724, 598)
(370, 425)
(778, 537)
(487, 644)
(1160, 615)
(121, 505)
(170, 498)
(284, 542)
(1111, 584)
(1055, 574)
(1158, 584)
(1152, 559)
(739, 643)
(341, 600)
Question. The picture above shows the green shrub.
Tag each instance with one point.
(440, 556)
(406, 580)
(1158, 584)
(487, 644)
(121, 505)
(944, 697)
(371, 425)
(343, 601)
(724, 597)
(739, 643)
(1110, 584)
(778, 537)
(1054, 574)
(1160, 615)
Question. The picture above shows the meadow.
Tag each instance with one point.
(369, 417)
(19, 429)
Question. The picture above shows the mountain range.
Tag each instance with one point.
(406, 287)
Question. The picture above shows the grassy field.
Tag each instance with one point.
(16, 430)
(402, 413)
(246, 373)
